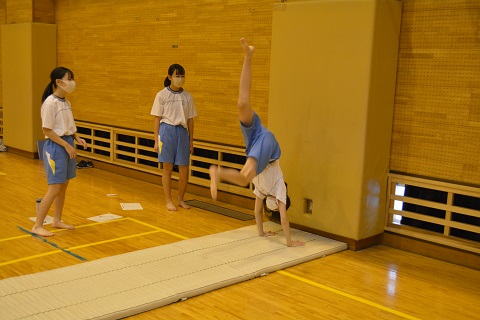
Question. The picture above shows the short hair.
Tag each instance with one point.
(274, 215)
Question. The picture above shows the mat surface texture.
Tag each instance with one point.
(220, 210)
(127, 284)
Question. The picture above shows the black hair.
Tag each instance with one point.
(274, 215)
(174, 67)
(57, 73)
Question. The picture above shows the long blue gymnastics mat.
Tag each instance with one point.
(135, 282)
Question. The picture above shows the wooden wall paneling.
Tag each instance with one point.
(436, 123)
(19, 11)
(44, 11)
(3, 11)
(122, 59)
(417, 5)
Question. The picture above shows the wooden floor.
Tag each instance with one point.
(376, 283)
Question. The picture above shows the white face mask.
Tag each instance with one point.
(272, 203)
(178, 81)
(70, 86)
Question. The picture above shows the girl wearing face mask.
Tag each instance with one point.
(59, 150)
(174, 111)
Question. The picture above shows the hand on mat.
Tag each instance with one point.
(297, 243)
(268, 233)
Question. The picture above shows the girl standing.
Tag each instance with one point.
(174, 111)
(58, 151)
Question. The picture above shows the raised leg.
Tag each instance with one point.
(241, 178)
(245, 111)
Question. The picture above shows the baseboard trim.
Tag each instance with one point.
(23, 153)
(236, 200)
(432, 250)
(354, 245)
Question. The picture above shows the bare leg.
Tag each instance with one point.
(240, 178)
(167, 185)
(47, 200)
(245, 115)
(182, 186)
(58, 209)
(245, 111)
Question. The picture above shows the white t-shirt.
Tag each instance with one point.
(174, 107)
(270, 183)
(57, 115)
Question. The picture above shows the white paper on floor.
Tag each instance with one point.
(48, 219)
(105, 217)
(131, 206)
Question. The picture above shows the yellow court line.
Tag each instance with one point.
(16, 237)
(351, 296)
(91, 244)
(159, 229)
(76, 247)
(29, 257)
(97, 223)
(156, 229)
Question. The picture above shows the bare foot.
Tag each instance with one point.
(297, 244)
(62, 225)
(41, 231)
(183, 204)
(269, 233)
(246, 48)
(170, 206)
(213, 181)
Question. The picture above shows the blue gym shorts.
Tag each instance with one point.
(58, 165)
(174, 145)
(261, 143)
(264, 149)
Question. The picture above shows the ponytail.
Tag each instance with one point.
(167, 82)
(48, 91)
